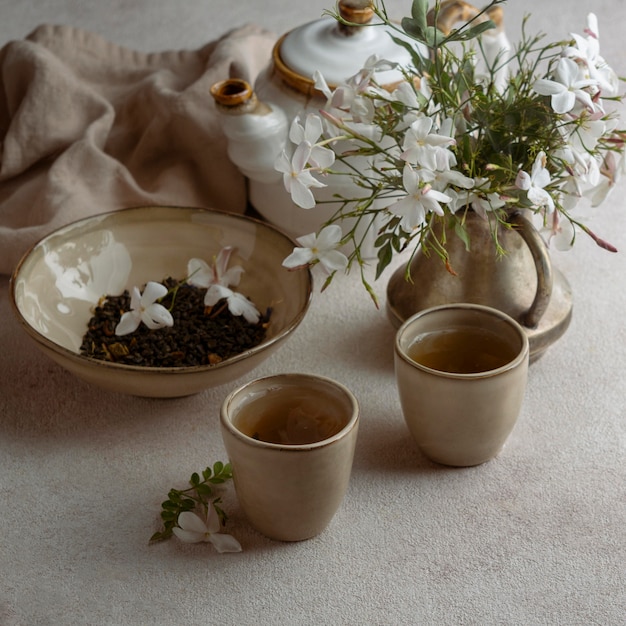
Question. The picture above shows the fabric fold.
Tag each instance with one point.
(87, 126)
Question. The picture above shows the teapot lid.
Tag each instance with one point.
(336, 50)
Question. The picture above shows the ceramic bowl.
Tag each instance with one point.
(59, 281)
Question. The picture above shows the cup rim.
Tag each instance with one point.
(522, 355)
(227, 424)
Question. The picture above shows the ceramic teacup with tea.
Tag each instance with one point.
(290, 439)
(461, 371)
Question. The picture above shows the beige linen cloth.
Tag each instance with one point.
(87, 126)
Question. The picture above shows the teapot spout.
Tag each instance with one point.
(256, 131)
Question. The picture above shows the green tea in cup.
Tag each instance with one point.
(462, 350)
(292, 416)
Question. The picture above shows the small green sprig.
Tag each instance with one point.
(202, 493)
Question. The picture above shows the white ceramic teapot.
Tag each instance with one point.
(257, 121)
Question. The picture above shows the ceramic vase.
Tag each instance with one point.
(522, 283)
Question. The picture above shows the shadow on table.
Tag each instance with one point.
(385, 446)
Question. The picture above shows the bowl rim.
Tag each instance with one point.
(123, 367)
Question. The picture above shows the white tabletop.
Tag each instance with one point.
(536, 536)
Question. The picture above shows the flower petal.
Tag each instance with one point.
(563, 102)
(224, 543)
(199, 273)
(334, 260)
(188, 520)
(238, 304)
(522, 181)
(312, 128)
(221, 262)
(156, 316)
(188, 536)
(329, 237)
(135, 298)
(232, 276)
(215, 293)
(302, 195)
(152, 292)
(298, 258)
(128, 323)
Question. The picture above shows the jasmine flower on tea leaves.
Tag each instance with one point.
(201, 274)
(145, 308)
(217, 281)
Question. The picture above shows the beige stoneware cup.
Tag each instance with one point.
(290, 492)
(461, 419)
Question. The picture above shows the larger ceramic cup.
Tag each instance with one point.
(290, 439)
(461, 371)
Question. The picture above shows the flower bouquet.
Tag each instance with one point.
(476, 124)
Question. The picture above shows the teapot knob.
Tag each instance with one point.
(356, 12)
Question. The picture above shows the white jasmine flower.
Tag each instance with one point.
(320, 157)
(418, 202)
(144, 308)
(441, 179)
(192, 529)
(297, 179)
(238, 304)
(421, 147)
(201, 274)
(320, 248)
(561, 232)
(534, 183)
(567, 87)
(217, 279)
(362, 79)
(611, 171)
(587, 53)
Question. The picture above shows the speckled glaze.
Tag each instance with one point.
(461, 419)
(60, 280)
(290, 492)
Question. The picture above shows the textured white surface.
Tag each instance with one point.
(536, 536)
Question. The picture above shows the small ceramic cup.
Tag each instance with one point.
(291, 486)
(461, 371)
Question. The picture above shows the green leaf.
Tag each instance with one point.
(419, 12)
(382, 239)
(462, 234)
(416, 58)
(204, 490)
(199, 494)
(327, 282)
(413, 29)
(433, 37)
(385, 256)
(479, 29)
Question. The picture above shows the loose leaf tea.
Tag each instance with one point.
(200, 335)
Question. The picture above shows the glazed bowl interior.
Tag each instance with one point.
(60, 280)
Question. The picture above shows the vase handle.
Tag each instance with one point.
(543, 266)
